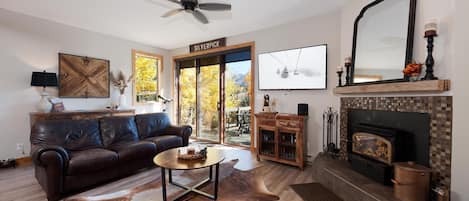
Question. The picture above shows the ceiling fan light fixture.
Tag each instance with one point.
(193, 7)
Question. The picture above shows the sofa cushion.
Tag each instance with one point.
(166, 142)
(72, 135)
(91, 160)
(134, 150)
(149, 125)
(118, 129)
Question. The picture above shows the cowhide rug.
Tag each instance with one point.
(234, 185)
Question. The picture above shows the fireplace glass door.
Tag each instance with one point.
(372, 146)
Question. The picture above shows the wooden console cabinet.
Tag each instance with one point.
(280, 138)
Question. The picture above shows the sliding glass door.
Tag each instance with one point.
(237, 128)
(209, 103)
(215, 97)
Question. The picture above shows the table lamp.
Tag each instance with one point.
(44, 79)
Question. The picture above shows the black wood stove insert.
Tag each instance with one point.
(377, 139)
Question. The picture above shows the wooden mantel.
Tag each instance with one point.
(431, 86)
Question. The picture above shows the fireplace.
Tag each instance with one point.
(385, 145)
(377, 139)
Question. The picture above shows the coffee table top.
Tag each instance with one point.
(169, 159)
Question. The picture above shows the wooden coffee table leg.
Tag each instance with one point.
(163, 183)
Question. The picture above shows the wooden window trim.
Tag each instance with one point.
(160, 71)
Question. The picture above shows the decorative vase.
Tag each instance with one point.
(122, 102)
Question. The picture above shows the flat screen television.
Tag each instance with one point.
(302, 68)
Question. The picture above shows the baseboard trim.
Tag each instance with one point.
(24, 161)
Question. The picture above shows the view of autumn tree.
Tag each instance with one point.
(187, 90)
(146, 78)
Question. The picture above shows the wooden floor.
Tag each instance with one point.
(20, 185)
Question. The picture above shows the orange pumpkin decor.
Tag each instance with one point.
(413, 70)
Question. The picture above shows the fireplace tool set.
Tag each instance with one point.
(330, 136)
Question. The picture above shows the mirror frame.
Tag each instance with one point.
(410, 41)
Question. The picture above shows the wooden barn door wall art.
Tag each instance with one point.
(83, 77)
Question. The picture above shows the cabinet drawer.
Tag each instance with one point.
(286, 123)
(267, 122)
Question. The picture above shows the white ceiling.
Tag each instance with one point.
(139, 20)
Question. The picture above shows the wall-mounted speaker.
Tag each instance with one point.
(303, 109)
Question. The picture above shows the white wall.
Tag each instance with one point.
(460, 162)
(312, 31)
(31, 44)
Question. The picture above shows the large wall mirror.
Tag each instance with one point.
(383, 41)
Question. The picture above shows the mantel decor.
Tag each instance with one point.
(83, 77)
(430, 34)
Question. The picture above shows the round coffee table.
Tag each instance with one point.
(169, 160)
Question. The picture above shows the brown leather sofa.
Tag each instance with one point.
(71, 155)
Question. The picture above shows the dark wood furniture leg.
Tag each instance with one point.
(170, 176)
(163, 183)
(211, 173)
(217, 170)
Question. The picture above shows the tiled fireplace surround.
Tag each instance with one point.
(440, 110)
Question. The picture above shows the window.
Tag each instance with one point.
(146, 68)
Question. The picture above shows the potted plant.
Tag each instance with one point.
(413, 71)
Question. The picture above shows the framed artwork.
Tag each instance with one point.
(83, 77)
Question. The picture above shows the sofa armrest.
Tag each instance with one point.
(182, 131)
(50, 166)
(37, 152)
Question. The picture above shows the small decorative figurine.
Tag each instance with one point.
(266, 107)
(203, 152)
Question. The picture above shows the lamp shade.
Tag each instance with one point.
(44, 79)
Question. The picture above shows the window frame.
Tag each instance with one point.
(159, 69)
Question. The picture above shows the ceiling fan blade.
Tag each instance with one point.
(214, 6)
(175, 1)
(200, 16)
(160, 4)
(172, 12)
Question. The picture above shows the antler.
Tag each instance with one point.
(131, 78)
(114, 80)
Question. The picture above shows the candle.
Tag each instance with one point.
(348, 60)
(431, 25)
(340, 69)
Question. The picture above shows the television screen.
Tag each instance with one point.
(303, 68)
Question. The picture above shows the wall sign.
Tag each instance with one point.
(221, 42)
(83, 77)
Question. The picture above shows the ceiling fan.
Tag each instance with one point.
(194, 7)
